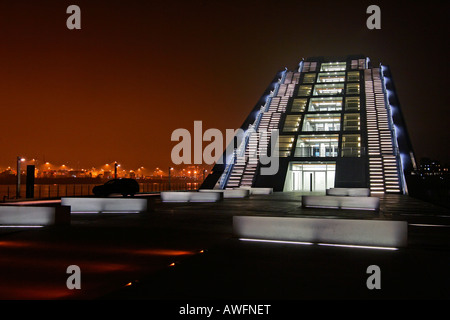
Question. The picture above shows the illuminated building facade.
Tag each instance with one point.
(339, 124)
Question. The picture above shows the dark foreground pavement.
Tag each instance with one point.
(242, 270)
(186, 252)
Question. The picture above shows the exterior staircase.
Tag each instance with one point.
(245, 167)
(384, 161)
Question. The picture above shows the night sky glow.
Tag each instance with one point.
(138, 70)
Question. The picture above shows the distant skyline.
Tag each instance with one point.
(137, 70)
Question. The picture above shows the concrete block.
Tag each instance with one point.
(191, 196)
(34, 215)
(230, 193)
(319, 230)
(236, 193)
(174, 196)
(85, 204)
(205, 196)
(256, 190)
(341, 202)
(351, 192)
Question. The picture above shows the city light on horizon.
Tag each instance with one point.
(50, 169)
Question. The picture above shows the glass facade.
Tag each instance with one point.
(304, 91)
(285, 144)
(333, 66)
(309, 78)
(353, 76)
(352, 122)
(317, 146)
(353, 88)
(299, 105)
(325, 104)
(292, 123)
(351, 145)
(325, 116)
(328, 89)
(331, 77)
(322, 122)
(352, 104)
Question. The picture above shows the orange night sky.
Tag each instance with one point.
(137, 70)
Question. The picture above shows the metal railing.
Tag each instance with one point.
(57, 190)
(329, 151)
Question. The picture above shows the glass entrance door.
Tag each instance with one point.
(310, 177)
(314, 181)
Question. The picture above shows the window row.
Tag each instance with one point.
(333, 66)
(329, 89)
(322, 122)
(352, 104)
(313, 146)
(326, 77)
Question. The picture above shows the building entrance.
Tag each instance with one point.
(310, 176)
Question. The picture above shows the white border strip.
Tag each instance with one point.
(21, 226)
(429, 225)
(356, 246)
(320, 244)
(276, 241)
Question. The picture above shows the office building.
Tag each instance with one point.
(339, 123)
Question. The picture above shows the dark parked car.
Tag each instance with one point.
(122, 186)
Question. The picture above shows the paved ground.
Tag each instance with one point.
(187, 252)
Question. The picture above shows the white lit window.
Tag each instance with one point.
(328, 89)
(325, 104)
(322, 122)
(331, 77)
(333, 66)
(317, 146)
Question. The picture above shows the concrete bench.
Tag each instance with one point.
(340, 202)
(351, 192)
(85, 204)
(230, 193)
(23, 215)
(206, 196)
(173, 196)
(254, 190)
(321, 230)
(190, 196)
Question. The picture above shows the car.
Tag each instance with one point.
(124, 186)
